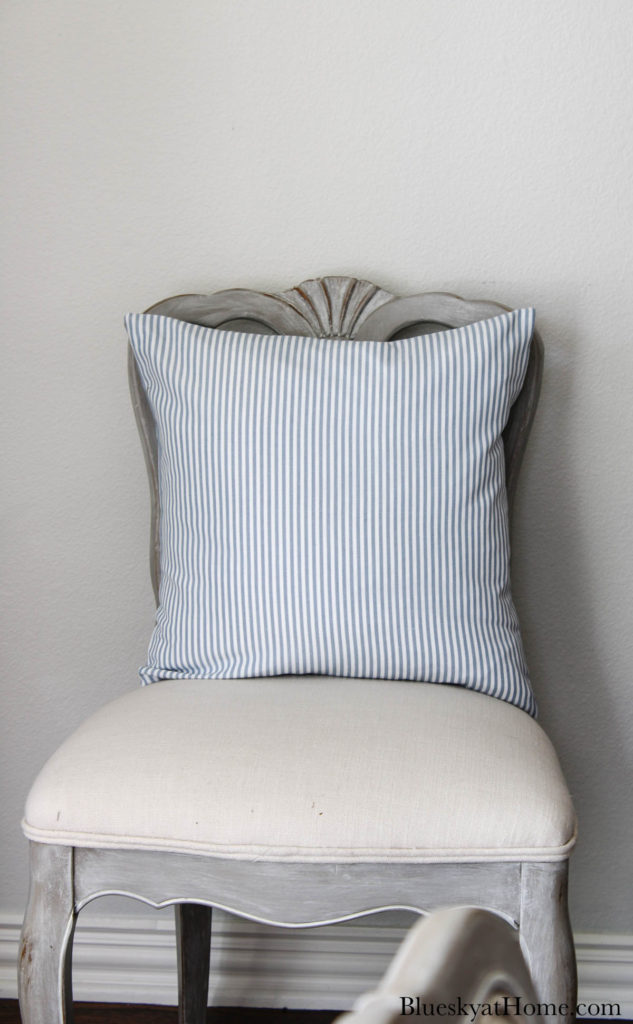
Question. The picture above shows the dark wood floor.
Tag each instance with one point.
(120, 1013)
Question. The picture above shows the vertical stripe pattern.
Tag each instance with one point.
(335, 507)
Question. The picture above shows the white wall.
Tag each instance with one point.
(156, 147)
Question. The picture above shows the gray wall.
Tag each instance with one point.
(154, 147)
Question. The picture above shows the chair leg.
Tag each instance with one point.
(193, 937)
(546, 938)
(45, 957)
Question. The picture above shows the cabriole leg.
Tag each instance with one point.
(193, 936)
(546, 937)
(44, 962)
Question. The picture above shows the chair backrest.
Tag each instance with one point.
(333, 307)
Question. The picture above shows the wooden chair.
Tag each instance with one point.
(470, 729)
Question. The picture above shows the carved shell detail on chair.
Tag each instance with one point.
(332, 307)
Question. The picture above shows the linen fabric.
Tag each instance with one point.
(307, 769)
(335, 507)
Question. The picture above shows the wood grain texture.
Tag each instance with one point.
(532, 896)
(295, 895)
(45, 954)
(546, 936)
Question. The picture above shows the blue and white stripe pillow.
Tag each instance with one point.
(335, 507)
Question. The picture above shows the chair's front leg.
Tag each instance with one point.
(547, 940)
(193, 936)
(44, 963)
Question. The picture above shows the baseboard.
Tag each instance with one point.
(132, 959)
(605, 971)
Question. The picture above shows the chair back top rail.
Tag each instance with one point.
(333, 307)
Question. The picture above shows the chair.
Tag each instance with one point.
(129, 803)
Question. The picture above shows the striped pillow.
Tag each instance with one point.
(335, 507)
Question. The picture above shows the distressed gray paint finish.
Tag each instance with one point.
(295, 894)
(531, 896)
(45, 952)
(547, 939)
(334, 307)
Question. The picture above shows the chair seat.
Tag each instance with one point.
(307, 768)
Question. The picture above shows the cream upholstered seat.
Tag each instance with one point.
(304, 800)
(270, 780)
